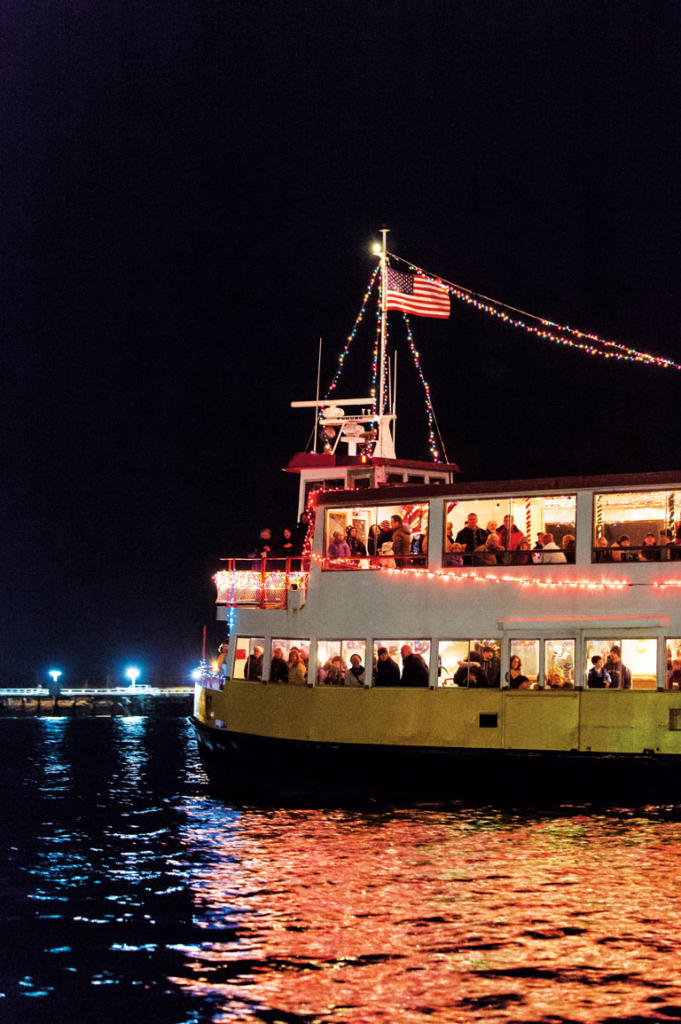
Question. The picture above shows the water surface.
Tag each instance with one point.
(130, 893)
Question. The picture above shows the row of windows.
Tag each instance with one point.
(630, 663)
(530, 530)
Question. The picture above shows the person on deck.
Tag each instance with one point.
(414, 668)
(387, 672)
(286, 547)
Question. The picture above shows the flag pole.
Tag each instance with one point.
(316, 412)
(382, 424)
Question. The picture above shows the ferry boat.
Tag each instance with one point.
(516, 637)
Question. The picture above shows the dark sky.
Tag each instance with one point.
(189, 193)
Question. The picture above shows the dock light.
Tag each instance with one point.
(55, 674)
(132, 674)
(197, 674)
(377, 248)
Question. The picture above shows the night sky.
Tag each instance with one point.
(189, 196)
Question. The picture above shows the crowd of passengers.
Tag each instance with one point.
(481, 670)
(666, 546)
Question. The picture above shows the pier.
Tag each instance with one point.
(93, 702)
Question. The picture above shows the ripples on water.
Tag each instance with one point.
(129, 893)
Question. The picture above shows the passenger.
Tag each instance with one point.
(387, 672)
(304, 523)
(509, 534)
(357, 548)
(355, 675)
(297, 672)
(372, 542)
(263, 548)
(650, 551)
(598, 678)
(621, 552)
(469, 674)
(286, 547)
(484, 667)
(514, 677)
(665, 544)
(339, 547)
(620, 675)
(223, 650)
(568, 546)
(414, 668)
(488, 553)
(492, 526)
(401, 539)
(253, 666)
(550, 553)
(471, 536)
(455, 556)
(674, 675)
(336, 671)
(449, 536)
(601, 550)
(522, 555)
(278, 666)
(554, 679)
(385, 535)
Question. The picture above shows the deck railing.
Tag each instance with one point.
(261, 582)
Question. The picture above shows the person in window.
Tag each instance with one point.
(550, 553)
(387, 672)
(602, 552)
(253, 666)
(665, 544)
(514, 677)
(509, 534)
(372, 542)
(355, 675)
(401, 541)
(620, 675)
(650, 551)
(471, 536)
(414, 668)
(357, 548)
(674, 675)
(568, 546)
(339, 547)
(621, 552)
(598, 678)
(297, 673)
(278, 667)
(488, 553)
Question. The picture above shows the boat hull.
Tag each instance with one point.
(252, 766)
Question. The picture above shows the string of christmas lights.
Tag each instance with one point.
(353, 332)
(430, 412)
(591, 344)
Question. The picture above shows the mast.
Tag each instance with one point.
(385, 445)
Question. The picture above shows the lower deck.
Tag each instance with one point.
(626, 722)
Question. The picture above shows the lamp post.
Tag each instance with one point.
(54, 688)
(132, 673)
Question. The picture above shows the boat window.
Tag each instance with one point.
(636, 526)
(336, 483)
(559, 664)
(523, 670)
(410, 669)
(374, 538)
(248, 658)
(630, 663)
(473, 663)
(673, 674)
(536, 530)
(295, 654)
(335, 660)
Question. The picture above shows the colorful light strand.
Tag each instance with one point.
(430, 412)
(353, 332)
(496, 308)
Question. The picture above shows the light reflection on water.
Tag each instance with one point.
(129, 892)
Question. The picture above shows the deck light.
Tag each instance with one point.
(55, 674)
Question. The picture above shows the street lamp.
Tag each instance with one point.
(132, 674)
(55, 675)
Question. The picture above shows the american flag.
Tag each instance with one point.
(416, 294)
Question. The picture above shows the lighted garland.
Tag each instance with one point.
(430, 413)
(353, 332)
(496, 308)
